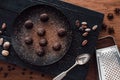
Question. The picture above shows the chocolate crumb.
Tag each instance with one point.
(23, 73)
(42, 75)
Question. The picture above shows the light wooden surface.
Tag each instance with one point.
(12, 72)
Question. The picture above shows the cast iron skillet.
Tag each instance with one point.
(56, 21)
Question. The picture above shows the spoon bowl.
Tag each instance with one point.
(80, 60)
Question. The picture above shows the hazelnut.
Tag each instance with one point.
(28, 24)
(84, 42)
(44, 17)
(28, 40)
(94, 27)
(84, 23)
(56, 46)
(6, 45)
(43, 42)
(87, 29)
(61, 32)
(1, 41)
(5, 52)
(77, 23)
(3, 26)
(41, 31)
(1, 32)
(85, 34)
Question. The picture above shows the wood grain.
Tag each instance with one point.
(12, 72)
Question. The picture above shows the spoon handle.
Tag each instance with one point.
(60, 76)
(63, 74)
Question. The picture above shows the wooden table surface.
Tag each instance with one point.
(13, 72)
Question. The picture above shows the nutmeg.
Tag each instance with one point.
(6, 45)
(44, 17)
(28, 24)
(5, 52)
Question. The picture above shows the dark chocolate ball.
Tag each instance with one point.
(61, 32)
(44, 17)
(43, 42)
(28, 24)
(40, 52)
(56, 46)
(41, 32)
(28, 40)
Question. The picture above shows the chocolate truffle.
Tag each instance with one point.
(61, 32)
(40, 52)
(28, 24)
(43, 42)
(44, 17)
(28, 40)
(41, 32)
(56, 46)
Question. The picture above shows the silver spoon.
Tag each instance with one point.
(80, 60)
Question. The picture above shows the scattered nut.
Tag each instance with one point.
(87, 29)
(3, 26)
(1, 41)
(5, 52)
(85, 34)
(44, 17)
(0, 32)
(110, 16)
(94, 27)
(56, 46)
(41, 31)
(104, 26)
(77, 23)
(28, 40)
(28, 24)
(84, 42)
(111, 30)
(84, 23)
(6, 45)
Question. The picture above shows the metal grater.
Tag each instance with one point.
(108, 61)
